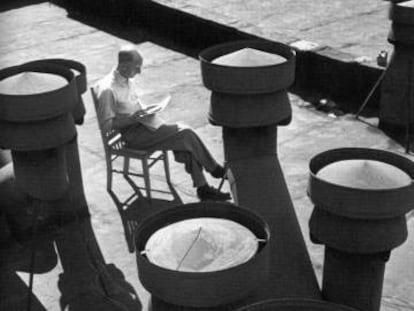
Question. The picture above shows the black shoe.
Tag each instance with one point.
(208, 193)
(117, 288)
(219, 172)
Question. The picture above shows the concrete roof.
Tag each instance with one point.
(44, 31)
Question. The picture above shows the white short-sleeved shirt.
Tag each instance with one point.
(118, 96)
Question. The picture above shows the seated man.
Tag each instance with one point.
(120, 108)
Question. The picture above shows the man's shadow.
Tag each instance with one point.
(134, 209)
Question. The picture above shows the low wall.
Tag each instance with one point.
(326, 71)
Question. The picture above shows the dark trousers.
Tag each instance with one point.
(183, 141)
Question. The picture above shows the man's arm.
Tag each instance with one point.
(121, 121)
(105, 113)
(109, 119)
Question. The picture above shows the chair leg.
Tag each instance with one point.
(224, 177)
(167, 167)
(126, 166)
(147, 181)
(109, 176)
(130, 239)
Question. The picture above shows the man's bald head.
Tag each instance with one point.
(129, 61)
(128, 54)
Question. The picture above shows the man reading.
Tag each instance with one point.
(141, 128)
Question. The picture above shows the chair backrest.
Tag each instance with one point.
(111, 138)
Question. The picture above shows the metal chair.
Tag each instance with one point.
(115, 147)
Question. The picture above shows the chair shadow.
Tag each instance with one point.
(137, 207)
(14, 294)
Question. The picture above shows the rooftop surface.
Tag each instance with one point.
(44, 31)
(355, 27)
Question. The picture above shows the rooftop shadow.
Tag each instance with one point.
(14, 294)
(7, 5)
(168, 27)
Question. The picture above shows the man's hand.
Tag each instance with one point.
(142, 113)
(124, 120)
(151, 109)
(139, 114)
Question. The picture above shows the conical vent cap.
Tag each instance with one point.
(29, 83)
(407, 4)
(364, 174)
(249, 57)
(202, 244)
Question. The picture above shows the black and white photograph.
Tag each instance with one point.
(207, 155)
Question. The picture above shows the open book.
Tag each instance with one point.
(159, 106)
(151, 107)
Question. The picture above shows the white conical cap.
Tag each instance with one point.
(201, 245)
(364, 174)
(408, 4)
(28, 83)
(249, 57)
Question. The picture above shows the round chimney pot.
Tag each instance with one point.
(39, 106)
(203, 289)
(247, 80)
(361, 203)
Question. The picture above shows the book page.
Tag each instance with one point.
(159, 106)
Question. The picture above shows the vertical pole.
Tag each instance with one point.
(408, 106)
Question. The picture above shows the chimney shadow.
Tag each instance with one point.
(14, 294)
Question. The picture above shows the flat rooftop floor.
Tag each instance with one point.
(44, 31)
(355, 27)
